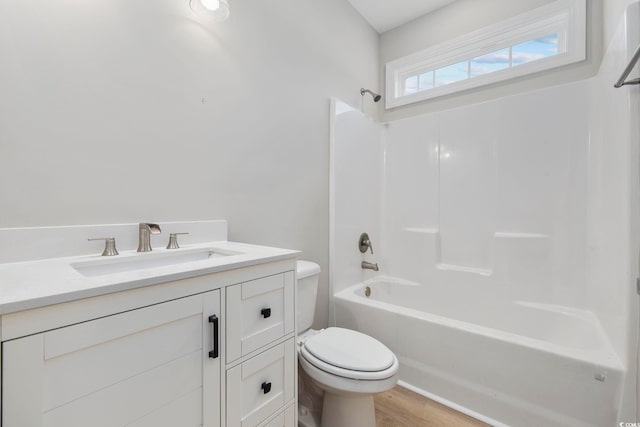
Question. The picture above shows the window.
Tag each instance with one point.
(545, 38)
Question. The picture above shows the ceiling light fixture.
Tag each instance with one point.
(218, 10)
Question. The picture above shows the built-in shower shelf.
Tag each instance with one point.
(422, 230)
(514, 255)
(512, 235)
(465, 269)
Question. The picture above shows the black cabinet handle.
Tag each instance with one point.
(266, 387)
(214, 353)
(266, 312)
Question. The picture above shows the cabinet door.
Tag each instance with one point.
(146, 367)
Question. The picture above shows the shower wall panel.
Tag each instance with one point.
(493, 191)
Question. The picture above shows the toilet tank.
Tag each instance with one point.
(307, 273)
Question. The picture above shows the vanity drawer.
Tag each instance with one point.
(259, 312)
(261, 386)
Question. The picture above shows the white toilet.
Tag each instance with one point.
(350, 367)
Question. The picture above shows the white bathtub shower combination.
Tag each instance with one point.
(522, 363)
(506, 235)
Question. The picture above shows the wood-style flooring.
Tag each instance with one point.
(400, 407)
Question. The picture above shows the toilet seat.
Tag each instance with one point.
(349, 354)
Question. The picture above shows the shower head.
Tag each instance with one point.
(376, 97)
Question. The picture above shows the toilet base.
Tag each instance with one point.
(348, 411)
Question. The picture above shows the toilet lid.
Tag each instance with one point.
(349, 349)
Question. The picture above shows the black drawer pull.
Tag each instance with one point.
(214, 353)
(266, 312)
(266, 387)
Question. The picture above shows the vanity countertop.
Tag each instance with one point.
(32, 284)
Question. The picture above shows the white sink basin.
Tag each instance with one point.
(147, 260)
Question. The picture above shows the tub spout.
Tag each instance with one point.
(369, 266)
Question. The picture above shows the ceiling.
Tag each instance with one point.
(383, 15)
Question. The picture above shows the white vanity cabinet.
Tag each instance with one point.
(157, 356)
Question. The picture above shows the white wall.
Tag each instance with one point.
(118, 111)
(464, 16)
(613, 12)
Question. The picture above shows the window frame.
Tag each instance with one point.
(567, 18)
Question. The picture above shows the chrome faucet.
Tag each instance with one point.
(145, 230)
(369, 266)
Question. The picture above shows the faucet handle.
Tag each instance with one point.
(109, 245)
(364, 243)
(173, 240)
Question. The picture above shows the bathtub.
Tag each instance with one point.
(513, 363)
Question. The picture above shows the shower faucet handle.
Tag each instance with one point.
(364, 243)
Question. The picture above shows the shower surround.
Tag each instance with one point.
(517, 211)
